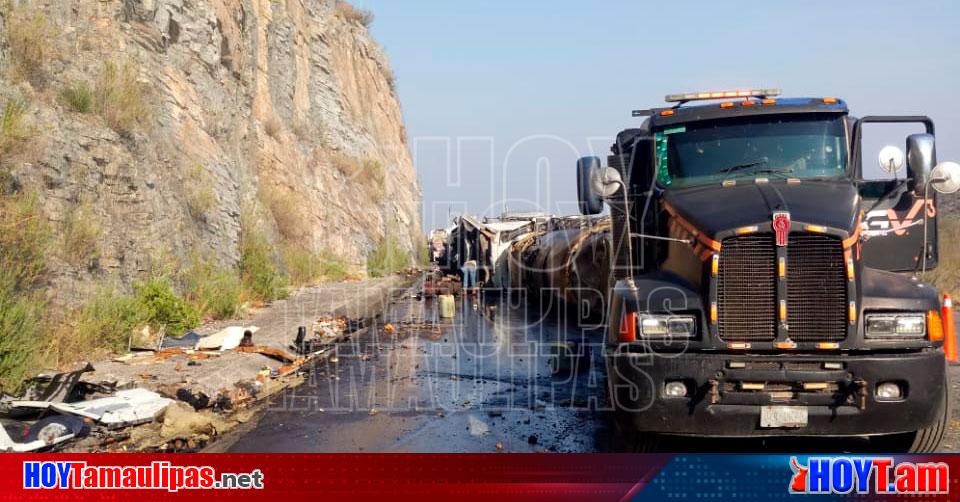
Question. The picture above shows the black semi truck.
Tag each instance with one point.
(752, 296)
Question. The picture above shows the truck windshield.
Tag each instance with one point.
(799, 146)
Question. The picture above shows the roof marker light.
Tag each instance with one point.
(747, 102)
(728, 104)
(667, 113)
(768, 102)
(830, 101)
(743, 93)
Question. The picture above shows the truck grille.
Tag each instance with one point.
(816, 288)
(746, 289)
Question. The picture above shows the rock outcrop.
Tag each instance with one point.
(276, 113)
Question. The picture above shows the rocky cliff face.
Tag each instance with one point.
(275, 113)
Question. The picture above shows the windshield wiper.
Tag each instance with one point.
(746, 165)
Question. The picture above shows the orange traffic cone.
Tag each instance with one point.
(949, 330)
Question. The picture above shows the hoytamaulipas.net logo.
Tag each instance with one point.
(156, 476)
(874, 475)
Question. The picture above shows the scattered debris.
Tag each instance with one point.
(447, 306)
(125, 408)
(55, 387)
(389, 329)
(499, 445)
(199, 400)
(532, 439)
(189, 339)
(373, 412)
(45, 433)
(225, 339)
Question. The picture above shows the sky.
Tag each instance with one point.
(501, 97)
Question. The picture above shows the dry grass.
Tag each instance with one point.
(81, 237)
(368, 172)
(29, 35)
(13, 129)
(290, 217)
(201, 199)
(947, 275)
(120, 98)
(273, 127)
(353, 14)
(306, 268)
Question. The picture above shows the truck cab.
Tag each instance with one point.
(750, 297)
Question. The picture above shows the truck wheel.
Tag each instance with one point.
(922, 441)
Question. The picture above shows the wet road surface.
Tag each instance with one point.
(481, 382)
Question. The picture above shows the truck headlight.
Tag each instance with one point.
(895, 325)
(662, 326)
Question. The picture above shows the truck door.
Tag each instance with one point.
(896, 204)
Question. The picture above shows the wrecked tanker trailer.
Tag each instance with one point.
(568, 264)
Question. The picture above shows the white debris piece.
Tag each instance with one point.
(124, 408)
(225, 339)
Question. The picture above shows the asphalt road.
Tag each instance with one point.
(481, 382)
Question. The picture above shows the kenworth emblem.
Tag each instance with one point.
(781, 225)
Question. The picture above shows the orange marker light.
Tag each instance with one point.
(852, 312)
(783, 310)
(747, 102)
(817, 229)
(782, 267)
(934, 326)
(726, 105)
(713, 313)
(785, 345)
(828, 345)
(768, 102)
(850, 269)
(667, 113)
(715, 266)
(739, 345)
(830, 101)
(628, 327)
(747, 230)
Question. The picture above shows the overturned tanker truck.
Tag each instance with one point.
(750, 296)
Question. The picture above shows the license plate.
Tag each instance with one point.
(783, 416)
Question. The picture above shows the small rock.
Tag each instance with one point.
(532, 439)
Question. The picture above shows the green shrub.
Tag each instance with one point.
(12, 127)
(259, 274)
(307, 268)
(24, 240)
(78, 97)
(387, 258)
(20, 332)
(214, 291)
(29, 35)
(120, 98)
(105, 321)
(81, 236)
(165, 308)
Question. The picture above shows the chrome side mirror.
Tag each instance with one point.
(921, 158)
(891, 159)
(606, 181)
(945, 178)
